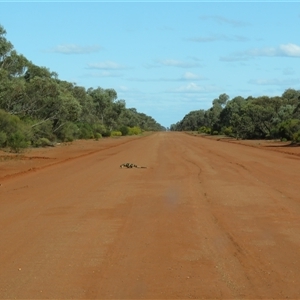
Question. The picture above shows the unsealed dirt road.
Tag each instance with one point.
(206, 219)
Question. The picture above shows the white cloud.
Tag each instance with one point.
(193, 87)
(103, 74)
(106, 65)
(75, 49)
(192, 76)
(275, 81)
(123, 88)
(184, 77)
(178, 63)
(290, 50)
(284, 50)
(268, 51)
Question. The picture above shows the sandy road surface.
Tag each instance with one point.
(206, 219)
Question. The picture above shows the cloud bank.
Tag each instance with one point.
(284, 50)
(178, 63)
(106, 65)
(75, 49)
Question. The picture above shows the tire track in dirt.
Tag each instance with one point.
(216, 228)
(255, 263)
(68, 214)
(243, 143)
(204, 220)
(59, 161)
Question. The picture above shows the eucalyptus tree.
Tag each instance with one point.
(88, 112)
(103, 100)
(5, 48)
(52, 107)
(212, 116)
(291, 96)
(233, 106)
(262, 119)
(193, 120)
(129, 117)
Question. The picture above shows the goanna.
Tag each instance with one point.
(130, 165)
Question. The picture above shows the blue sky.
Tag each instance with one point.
(163, 58)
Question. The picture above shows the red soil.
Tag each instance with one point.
(207, 219)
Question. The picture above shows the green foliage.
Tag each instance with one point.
(99, 128)
(85, 131)
(17, 141)
(15, 133)
(68, 132)
(3, 138)
(36, 106)
(41, 130)
(90, 131)
(262, 117)
(106, 133)
(227, 131)
(290, 130)
(116, 133)
(8, 123)
(124, 130)
(296, 137)
(98, 136)
(191, 122)
(43, 142)
(204, 129)
(134, 130)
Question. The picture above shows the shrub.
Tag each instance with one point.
(17, 141)
(3, 138)
(124, 130)
(134, 130)
(296, 137)
(85, 131)
(106, 133)
(8, 123)
(116, 133)
(14, 133)
(215, 132)
(204, 129)
(98, 136)
(227, 131)
(43, 142)
(69, 132)
(289, 128)
(42, 130)
(100, 128)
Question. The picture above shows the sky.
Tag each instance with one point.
(164, 58)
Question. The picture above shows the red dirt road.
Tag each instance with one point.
(207, 219)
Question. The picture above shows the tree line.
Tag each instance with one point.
(248, 118)
(37, 108)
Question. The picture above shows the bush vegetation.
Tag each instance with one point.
(116, 133)
(38, 109)
(263, 117)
